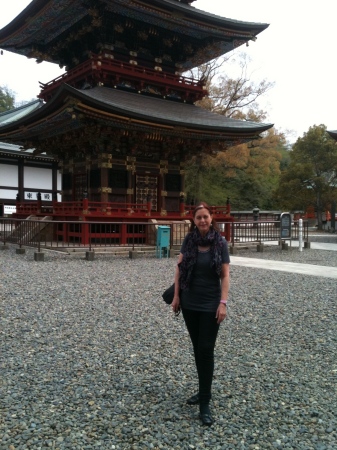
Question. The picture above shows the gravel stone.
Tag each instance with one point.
(92, 358)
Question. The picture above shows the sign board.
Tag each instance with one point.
(46, 196)
(285, 226)
(9, 209)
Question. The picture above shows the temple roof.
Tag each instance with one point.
(13, 115)
(13, 151)
(64, 31)
(333, 134)
(73, 109)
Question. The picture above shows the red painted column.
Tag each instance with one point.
(85, 238)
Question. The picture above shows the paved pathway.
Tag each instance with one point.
(306, 269)
(283, 266)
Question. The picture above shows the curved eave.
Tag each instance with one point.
(164, 112)
(333, 134)
(21, 20)
(13, 115)
(29, 20)
(212, 19)
(13, 151)
(128, 107)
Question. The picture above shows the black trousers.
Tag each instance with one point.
(203, 330)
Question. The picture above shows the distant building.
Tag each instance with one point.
(23, 175)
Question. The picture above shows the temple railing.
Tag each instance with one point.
(65, 235)
(100, 69)
(263, 231)
(110, 209)
(68, 235)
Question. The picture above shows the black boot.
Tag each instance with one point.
(194, 400)
(205, 414)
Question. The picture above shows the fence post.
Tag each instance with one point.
(89, 236)
(4, 247)
(90, 254)
(39, 256)
(300, 234)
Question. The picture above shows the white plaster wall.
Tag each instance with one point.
(37, 178)
(9, 195)
(8, 175)
(59, 181)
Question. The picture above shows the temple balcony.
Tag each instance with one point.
(105, 71)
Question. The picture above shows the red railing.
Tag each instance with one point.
(98, 209)
(102, 69)
(86, 211)
(103, 209)
(57, 234)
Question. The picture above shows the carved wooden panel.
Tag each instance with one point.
(80, 185)
(147, 186)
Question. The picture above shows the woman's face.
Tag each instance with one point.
(203, 220)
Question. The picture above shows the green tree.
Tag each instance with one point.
(6, 99)
(311, 176)
(254, 168)
(247, 173)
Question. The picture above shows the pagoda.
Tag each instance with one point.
(122, 120)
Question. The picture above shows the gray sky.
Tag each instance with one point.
(296, 52)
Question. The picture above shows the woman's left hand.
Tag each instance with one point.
(221, 312)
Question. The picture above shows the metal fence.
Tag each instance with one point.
(65, 235)
(251, 232)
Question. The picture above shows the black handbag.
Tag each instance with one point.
(168, 295)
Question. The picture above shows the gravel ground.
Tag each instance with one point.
(92, 358)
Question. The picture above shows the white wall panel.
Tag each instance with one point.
(59, 181)
(37, 178)
(7, 194)
(8, 175)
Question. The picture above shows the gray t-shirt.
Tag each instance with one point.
(204, 290)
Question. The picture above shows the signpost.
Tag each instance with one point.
(285, 226)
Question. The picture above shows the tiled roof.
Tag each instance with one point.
(132, 106)
(43, 22)
(166, 111)
(15, 151)
(15, 114)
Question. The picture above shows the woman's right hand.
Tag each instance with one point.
(176, 304)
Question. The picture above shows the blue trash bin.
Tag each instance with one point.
(163, 241)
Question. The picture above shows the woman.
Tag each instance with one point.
(201, 291)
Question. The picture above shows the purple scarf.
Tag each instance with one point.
(194, 239)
